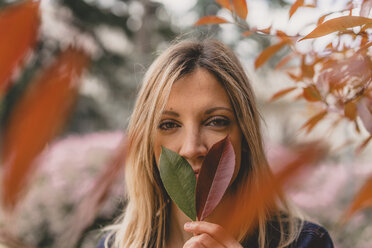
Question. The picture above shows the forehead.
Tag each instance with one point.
(200, 88)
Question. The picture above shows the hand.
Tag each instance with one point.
(209, 235)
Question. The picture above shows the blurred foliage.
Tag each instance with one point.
(114, 71)
(121, 37)
(113, 76)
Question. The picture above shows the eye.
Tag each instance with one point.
(168, 125)
(218, 121)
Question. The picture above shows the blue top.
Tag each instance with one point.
(311, 236)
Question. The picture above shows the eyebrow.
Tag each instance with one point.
(207, 112)
(167, 112)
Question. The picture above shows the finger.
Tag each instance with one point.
(214, 230)
(203, 240)
(192, 243)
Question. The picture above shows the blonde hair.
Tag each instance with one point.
(144, 221)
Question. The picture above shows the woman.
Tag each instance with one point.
(195, 94)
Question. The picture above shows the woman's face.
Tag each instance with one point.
(197, 115)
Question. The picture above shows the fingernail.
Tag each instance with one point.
(188, 225)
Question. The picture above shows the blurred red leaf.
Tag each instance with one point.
(268, 53)
(247, 33)
(365, 9)
(363, 199)
(309, 5)
(260, 193)
(357, 129)
(295, 7)
(282, 35)
(350, 110)
(284, 61)
(311, 123)
(365, 27)
(337, 24)
(354, 70)
(321, 19)
(214, 177)
(36, 119)
(294, 77)
(312, 94)
(307, 71)
(330, 46)
(362, 146)
(365, 113)
(282, 93)
(364, 49)
(240, 8)
(18, 31)
(225, 4)
(210, 20)
(265, 30)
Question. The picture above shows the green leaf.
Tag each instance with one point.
(179, 181)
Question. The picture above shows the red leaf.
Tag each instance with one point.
(36, 119)
(309, 5)
(280, 34)
(210, 20)
(265, 30)
(312, 94)
(293, 76)
(365, 113)
(310, 124)
(365, 8)
(362, 200)
(284, 61)
(214, 177)
(247, 33)
(240, 8)
(363, 145)
(357, 129)
(267, 53)
(295, 6)
(307, 71)
(364, 50)
(282, 93)
(322, 18)
(337, 24)
(350, 110)
(365, 27)
(354, 70)
(260, 193)
(18, 31)
(225, 4)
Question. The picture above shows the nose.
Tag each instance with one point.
(193, 148)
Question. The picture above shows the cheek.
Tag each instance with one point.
(237, 163)
(157, 156)
(157, 150)
(236, 140)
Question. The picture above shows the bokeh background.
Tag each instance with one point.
(123, 37)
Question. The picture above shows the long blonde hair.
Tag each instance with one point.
(145, 220)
